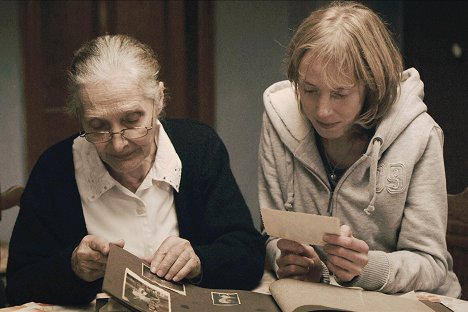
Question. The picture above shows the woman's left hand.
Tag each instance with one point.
(175, 260)
(347, 255)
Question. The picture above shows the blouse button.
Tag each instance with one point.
(140, 210)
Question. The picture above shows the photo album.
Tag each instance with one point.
(129, 281)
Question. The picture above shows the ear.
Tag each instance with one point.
(161, 91)
(159, 105)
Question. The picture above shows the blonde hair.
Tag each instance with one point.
(353, 45)
(99, 59)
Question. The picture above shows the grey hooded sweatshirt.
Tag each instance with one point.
(393, 197)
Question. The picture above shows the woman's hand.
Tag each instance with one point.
(347, 255)
(298, 261)
(175, 259)
(89, 258)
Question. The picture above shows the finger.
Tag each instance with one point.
(347, 243)
(84, 253)
(345, 231)
(191, 269)
(298, 277)
(289, 246)
(178, 264)
(293, 265)
(345, 265)
(339, 273)
(167, 254)
(98, 244)
(88, 270)
(291, 270)
(90, 266)
(310, 253)
(358, 257)
(292, 259)
(159, 256)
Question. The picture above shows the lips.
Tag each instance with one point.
(123, 156)
(328, 125)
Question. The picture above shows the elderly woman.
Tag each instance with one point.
(162, 189)
(349, 136)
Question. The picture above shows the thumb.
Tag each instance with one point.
(346, 231)
(120, 243)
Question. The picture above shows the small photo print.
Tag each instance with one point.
(143, 296)
(225, 298)
(177, 287)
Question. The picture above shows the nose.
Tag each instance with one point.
(324, 109)
(118, 142)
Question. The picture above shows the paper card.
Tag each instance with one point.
(301, 227)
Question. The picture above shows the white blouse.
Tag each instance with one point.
(143, 219)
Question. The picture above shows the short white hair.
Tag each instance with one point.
(101, 58)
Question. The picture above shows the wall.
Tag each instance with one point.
(250, 39)
(12, 128)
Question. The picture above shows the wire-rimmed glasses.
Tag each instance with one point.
(106, 136)
(127, 133)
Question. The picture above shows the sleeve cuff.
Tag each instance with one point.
(374, 275)
(325, 274)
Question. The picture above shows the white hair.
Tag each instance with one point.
(102, 58)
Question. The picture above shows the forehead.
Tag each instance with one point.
(112, 97)
(320, 70)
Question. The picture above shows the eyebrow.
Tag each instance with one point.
(307, 83)
(136, 109)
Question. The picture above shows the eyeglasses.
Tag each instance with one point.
(128, 133)
(106, 136)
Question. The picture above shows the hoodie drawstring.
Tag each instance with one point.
(376, 145)
(290, 173)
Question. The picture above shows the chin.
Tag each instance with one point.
(330, 134)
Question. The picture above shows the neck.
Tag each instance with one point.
(344, 151)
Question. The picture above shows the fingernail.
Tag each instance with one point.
(168, 277)
(153, 269)
(160, 273)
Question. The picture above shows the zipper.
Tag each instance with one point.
(330, 204)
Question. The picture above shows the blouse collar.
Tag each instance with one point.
(167, 166)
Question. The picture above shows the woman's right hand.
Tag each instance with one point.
(89, 258)
(298, 261)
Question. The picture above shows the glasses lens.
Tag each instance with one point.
(135, 133)
(97, 137)
(101, 137)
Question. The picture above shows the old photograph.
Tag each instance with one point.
(144, 296)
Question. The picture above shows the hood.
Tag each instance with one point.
(408, 107)
(282, 108)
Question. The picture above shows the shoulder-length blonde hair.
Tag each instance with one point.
(349, 38)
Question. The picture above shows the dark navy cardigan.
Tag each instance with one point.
(211, 213)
